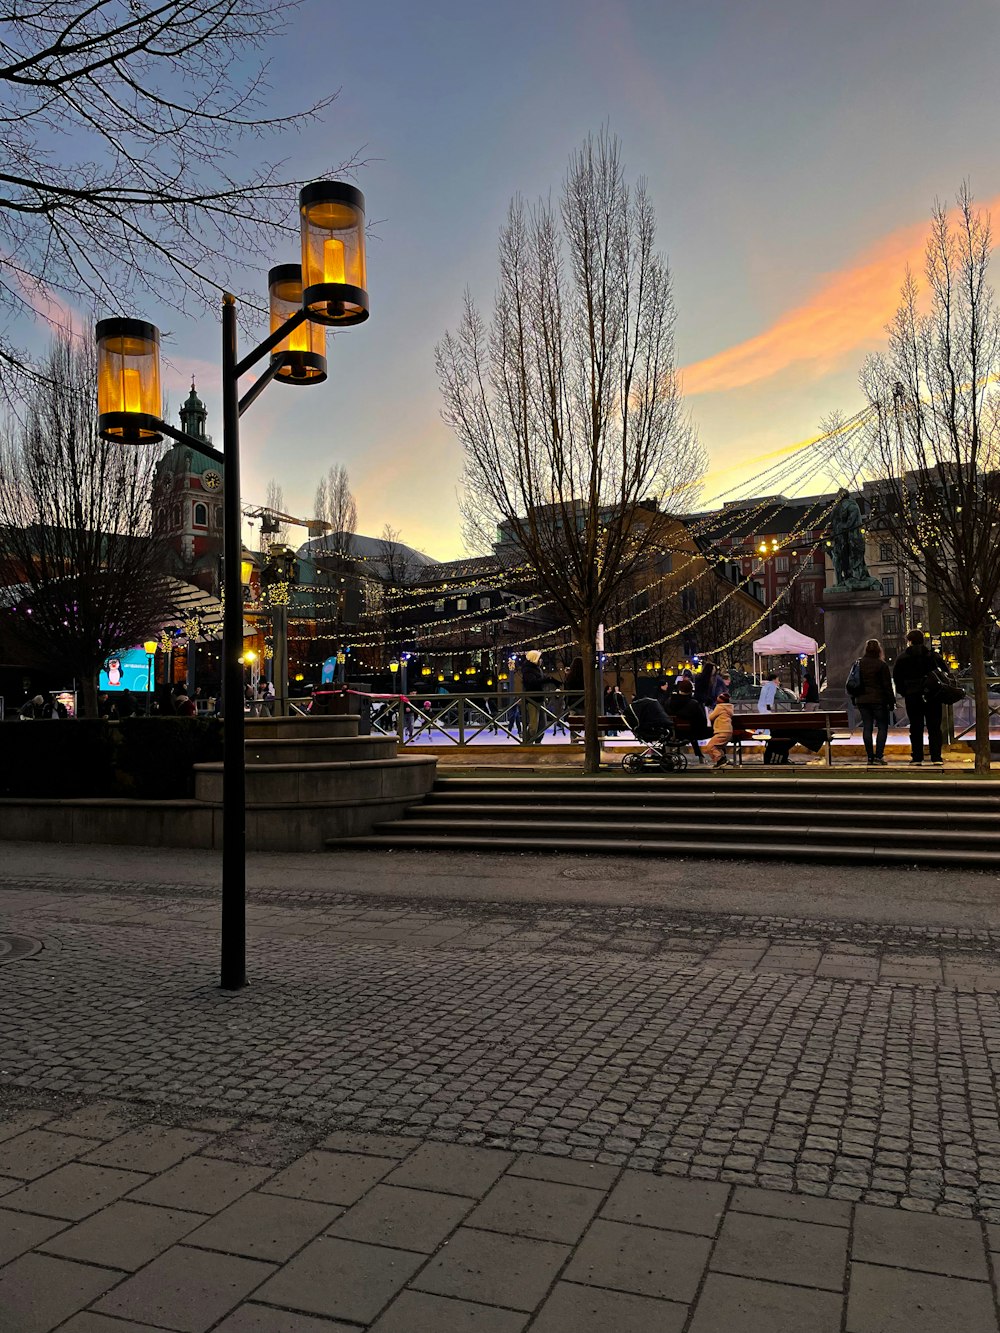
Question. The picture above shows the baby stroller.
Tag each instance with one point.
(662, 748)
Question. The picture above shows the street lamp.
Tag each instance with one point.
(149, 648)
(130, 411)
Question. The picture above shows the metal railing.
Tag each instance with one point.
(470, 717)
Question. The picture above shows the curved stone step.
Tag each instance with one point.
(400, 779)
(319, 749)
(287, 728)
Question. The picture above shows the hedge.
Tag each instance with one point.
(148, 758)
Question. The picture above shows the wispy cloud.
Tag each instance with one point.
(845, 317)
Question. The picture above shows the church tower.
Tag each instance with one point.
(187, 499)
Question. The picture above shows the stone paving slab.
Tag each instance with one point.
(489, 1142)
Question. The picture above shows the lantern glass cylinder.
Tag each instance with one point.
(129, 401)
(333, 253)
(304, 360)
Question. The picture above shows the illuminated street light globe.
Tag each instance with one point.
(129, 402)
(304, 360)
(334, 280)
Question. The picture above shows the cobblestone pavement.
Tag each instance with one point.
(611, 1118)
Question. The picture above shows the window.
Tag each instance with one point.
(885, 552)
(782, 564)
(890, 624)
(889, 585)
(461, 604)
(176, 516)
(439, 604)
(218, 516)
(201, 516)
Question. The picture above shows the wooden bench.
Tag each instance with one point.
(606, 723)
(787, 724)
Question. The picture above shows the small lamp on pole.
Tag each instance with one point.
(149, 648)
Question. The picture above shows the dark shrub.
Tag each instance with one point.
(149, 758)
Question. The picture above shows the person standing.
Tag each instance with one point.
(874, 700)
(704, 683)
(913, 665)
(721, 718)
(810, 691)
(768, 701)
(533, 682)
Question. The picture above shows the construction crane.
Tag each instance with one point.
(271, 520)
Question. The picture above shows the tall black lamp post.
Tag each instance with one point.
(329, 289)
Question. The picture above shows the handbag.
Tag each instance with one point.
(854, 685)
(938, 690)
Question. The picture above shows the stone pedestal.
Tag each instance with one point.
(849, 619)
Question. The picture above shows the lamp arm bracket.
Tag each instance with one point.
(262, 349)
(259, 385)
(192, 442)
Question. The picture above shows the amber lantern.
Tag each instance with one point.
(129, 404)
(304, 359)
(333, 253)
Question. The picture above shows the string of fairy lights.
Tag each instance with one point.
(737, 523)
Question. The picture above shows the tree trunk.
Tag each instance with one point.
(981, 693)
(591, 736)
(87, 698)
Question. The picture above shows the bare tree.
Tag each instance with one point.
(335, 504)
(171, 192)
(934, 433)
(394, 557)
(567, 403)
(75, 525)
(274, 499)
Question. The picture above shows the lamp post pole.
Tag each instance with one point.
(233, 968)
(327, 290)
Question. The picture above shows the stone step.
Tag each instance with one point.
(857, 850)
(735, 828)
(675, 786)
(846, 816)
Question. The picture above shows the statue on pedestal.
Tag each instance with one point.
(848, 543)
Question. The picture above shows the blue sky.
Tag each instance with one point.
(785, 145)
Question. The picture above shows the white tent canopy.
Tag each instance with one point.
(786, 642)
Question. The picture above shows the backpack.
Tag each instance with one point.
(854, 684)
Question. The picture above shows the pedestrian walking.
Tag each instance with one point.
(874, 700)
(721, 685)
(721, 718)
(810, 692)
(913, 666)
(704, 683)
(768, 701)
(126, 703)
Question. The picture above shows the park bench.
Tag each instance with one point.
(828, 721)
(606, 723)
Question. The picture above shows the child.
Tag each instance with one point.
(721, 718)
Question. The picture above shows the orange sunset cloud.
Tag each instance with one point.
(847, 315)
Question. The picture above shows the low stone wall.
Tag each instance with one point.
(304, 827)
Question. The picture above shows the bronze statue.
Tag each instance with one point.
(848, 542)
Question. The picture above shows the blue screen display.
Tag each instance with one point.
(125, 671)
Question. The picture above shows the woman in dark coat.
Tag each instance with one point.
(690, 714)
(874, 700)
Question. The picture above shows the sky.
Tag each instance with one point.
(793, 150)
